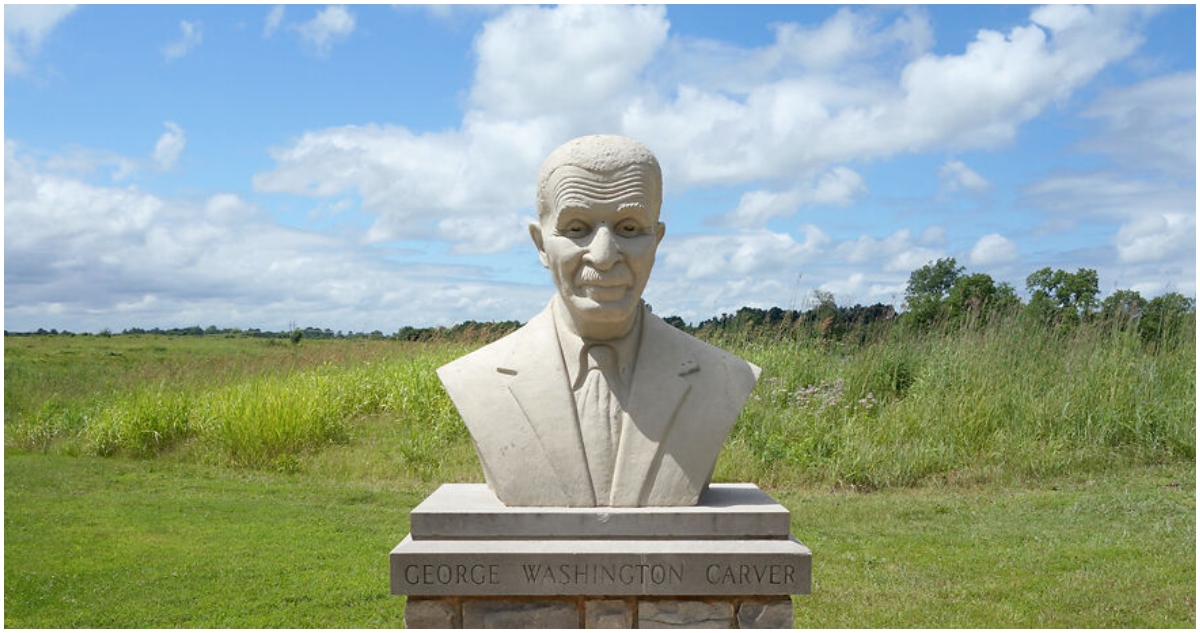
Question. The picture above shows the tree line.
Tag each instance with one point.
(938, 294)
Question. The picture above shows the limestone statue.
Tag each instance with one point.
(596, 401)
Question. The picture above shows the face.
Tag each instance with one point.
(599, 242)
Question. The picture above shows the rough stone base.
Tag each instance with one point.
(575, 612)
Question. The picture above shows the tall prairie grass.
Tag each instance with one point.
(267, 418)
(986, 402)
(964, 403)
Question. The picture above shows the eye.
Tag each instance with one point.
(575, 229)
(629, 228)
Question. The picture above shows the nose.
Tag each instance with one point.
(603, 252)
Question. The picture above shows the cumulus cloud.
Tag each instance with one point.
(274, 20)
(479, 235)
(578, 60)
(898, 252)
(331, 24)
(838, 187)
(189, 38)
(779, 114)
(87, 257)
(956, 176)
(169, 146)
(993, 249)
(414, 182)
(973, 100)
(26, 26)
(1157, 237)
(743, 253)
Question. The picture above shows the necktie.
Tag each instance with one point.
(600, 418)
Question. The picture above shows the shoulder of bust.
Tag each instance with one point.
(497, 354)
(743, 373)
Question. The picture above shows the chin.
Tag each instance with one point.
(594, 310)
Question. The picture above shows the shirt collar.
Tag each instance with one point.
(573, 346)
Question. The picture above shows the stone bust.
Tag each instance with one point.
(596, 401)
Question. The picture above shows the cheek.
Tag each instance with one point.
(563, 253)
(640, 251)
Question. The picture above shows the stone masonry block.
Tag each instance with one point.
(520, 614)
(608, 614)
(766, 613)
(684, 614)
(436, 613)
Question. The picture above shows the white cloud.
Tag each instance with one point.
(189, 38)
(896, 253)
(849, 36)
(756, 207)
(169, 146)
(802, 122)
(838, 187)
(83, 161)
(956, 176)
(775, 115)
(42, 209)
(427, 185)
(575, 60)
(331, 24)
(739, 254)
(1157, 237)
(778, 115)
(1108, 196)
(1150, 125)
(26, 26)
(993, 249)
(273, 21)
(85, 257)
(480, 235)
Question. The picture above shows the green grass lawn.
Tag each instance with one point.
(93, 542)
(994, 477)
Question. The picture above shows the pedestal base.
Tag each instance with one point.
(728, 562)
(711, 612)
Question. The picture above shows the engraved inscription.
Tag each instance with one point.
(452, 574)
(773, 574)
(624, 574)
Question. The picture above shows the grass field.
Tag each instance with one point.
(980, 477)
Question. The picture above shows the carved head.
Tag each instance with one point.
(598, 203)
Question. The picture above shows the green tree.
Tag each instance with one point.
(928, 288)
(1122, 308)
(1058, 294)
(979, 297)
(1165, 317)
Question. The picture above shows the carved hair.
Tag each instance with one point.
(603, 155)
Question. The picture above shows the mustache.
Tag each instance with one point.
(620, 275)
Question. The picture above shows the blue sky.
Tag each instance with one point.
(366, 167)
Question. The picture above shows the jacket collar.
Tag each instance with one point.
(540, 384)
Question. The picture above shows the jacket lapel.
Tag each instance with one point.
(539, 385)
(657, 392)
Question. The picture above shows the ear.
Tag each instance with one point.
(535, 232)
(659, 231)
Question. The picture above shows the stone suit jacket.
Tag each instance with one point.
(515, 399)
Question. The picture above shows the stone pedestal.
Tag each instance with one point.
(728, 562)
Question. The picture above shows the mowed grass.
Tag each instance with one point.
(974, 477)
(104, 543)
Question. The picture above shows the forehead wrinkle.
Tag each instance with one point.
(582, 191)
